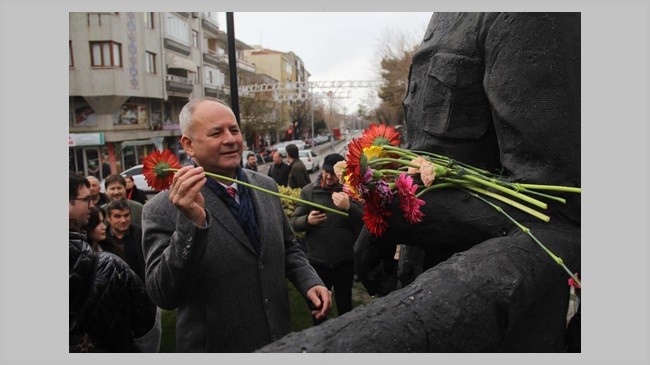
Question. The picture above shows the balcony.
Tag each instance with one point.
(214, 59)
(209, 26)
(179, 84)
(245, 66)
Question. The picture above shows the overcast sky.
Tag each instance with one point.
(333, 46)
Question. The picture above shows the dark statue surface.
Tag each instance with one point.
(500, 91)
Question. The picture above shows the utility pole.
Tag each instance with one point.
(232, 66)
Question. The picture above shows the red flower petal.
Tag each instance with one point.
(377, 135)
(154, 169)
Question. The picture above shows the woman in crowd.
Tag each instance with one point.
(96, 229)
(132, 191)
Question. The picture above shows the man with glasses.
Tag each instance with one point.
(109, 309)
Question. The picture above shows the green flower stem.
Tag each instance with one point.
(447, 161)
(523, 197)
(435, 187)
(320, 207)
(469, 185)
(519, 188)
(526, 230)
(567, 189)
(547, 196)
(388, 160)
(400, 151)
(513, 203)
(390, 171)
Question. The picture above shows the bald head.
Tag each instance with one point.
(185, 116)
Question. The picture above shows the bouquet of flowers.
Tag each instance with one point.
(376, 170)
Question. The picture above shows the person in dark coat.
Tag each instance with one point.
(123, 237)
(330, 237)
(109, 309)
(219, 252)
(132, 191)
(279, 170)
(298, 175)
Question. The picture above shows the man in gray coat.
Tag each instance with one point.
(220, 258)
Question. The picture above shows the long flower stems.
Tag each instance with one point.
(468, 185)
(526, 230)
(513, 203)
(320, 207)
(523, 197)
(568, 189)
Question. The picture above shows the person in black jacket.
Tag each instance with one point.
(123, 237)
(298, 175)
(109, 309)
(279, 170)
(132, 191)
(330, 237)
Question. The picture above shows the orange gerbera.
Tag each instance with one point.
(377, 135)
(356, 162)
(155, 168)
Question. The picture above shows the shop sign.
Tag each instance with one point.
(85, 139)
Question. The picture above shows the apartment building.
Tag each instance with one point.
(286, 67)
(129, 76)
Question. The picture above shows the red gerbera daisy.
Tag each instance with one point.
(408, 202)
(377, 135)
(374, 213)
(155, 168)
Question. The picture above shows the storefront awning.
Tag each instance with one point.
(174, 61)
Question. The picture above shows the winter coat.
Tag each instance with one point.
(228, 297)
(108, 304)
(329, 243)
(298, 175)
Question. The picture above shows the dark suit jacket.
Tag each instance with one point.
(228, 298)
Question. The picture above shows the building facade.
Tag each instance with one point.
(288, 69)
(129, 76)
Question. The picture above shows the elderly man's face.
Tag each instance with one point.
(214, 141)
(95, 187)
(277, 158)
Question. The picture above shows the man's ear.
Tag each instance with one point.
(186, 143)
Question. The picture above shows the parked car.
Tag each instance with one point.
(299, 143)
(310, 159)
(138, 179)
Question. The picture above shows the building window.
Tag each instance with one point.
(106, 54)
(192, 76)
(71, 58)
(176, 28)
(212, 17)
(151, 63)
(148, 20)
(195, 39)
